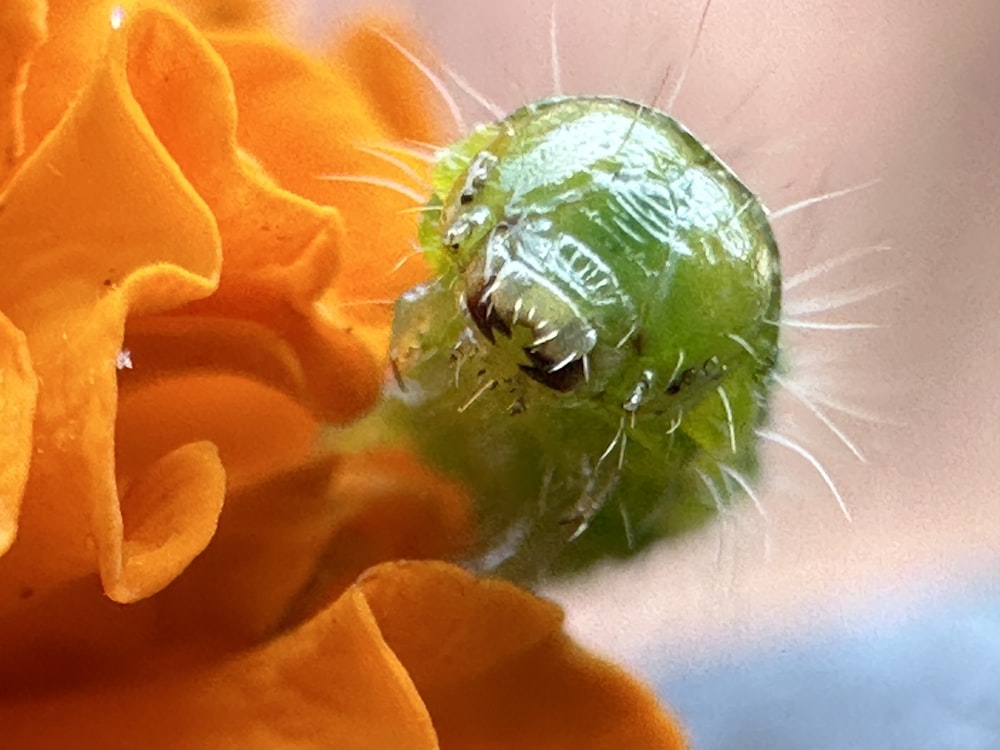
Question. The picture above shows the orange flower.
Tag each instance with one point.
(182, 308)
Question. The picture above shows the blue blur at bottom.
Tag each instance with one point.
(930, 681)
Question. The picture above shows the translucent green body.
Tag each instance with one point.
(594, 355)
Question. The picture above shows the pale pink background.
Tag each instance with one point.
(803, 97)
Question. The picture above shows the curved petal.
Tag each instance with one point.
(332, 683)
(257, 430)
(169, 514)
(22, 30)
(61, 68)
(166, 346)
(496, 671)
(270, 540)
(326, 523)
(339, 379)
(100, 199)
(281, 250)
(333, 125)
(386, 505)
(408, 645)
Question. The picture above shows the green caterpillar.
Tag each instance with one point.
(596, 353)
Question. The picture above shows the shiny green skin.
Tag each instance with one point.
(622, 228)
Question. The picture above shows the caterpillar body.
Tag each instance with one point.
(596, 351)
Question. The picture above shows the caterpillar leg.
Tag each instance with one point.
(598, 490)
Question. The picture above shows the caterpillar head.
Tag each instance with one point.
(566, 225)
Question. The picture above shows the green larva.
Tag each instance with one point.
(596, 353)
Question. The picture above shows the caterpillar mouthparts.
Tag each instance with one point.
(595, 353)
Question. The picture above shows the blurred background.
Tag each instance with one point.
(805, 630)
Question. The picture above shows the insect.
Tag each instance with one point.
(595, 354)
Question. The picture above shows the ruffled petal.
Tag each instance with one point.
(280, 250)
(268, 549)
(169, 514)
(335, 134)
(326, 523)
(495, 669)
(186, 368)
(332, 683)
(415, 655)
(277, 432)
(98, 224)
(387, 506)
(78, 31)
(285, 548)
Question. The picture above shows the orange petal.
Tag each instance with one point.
(100, 198)
(280, 250)
(411, 643)
(22, 30)
(169, 514)
(496, 671)
(228, 14)
(386, 506)
(183, 89)
(402, 95)
(271, 538)
(337, 377)
(234, 595)
(332, 683)
(323, 531)
(18, 390)
(61, 68)
(332, 122)
(74, 632)
(166, 346)
(256, 429)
